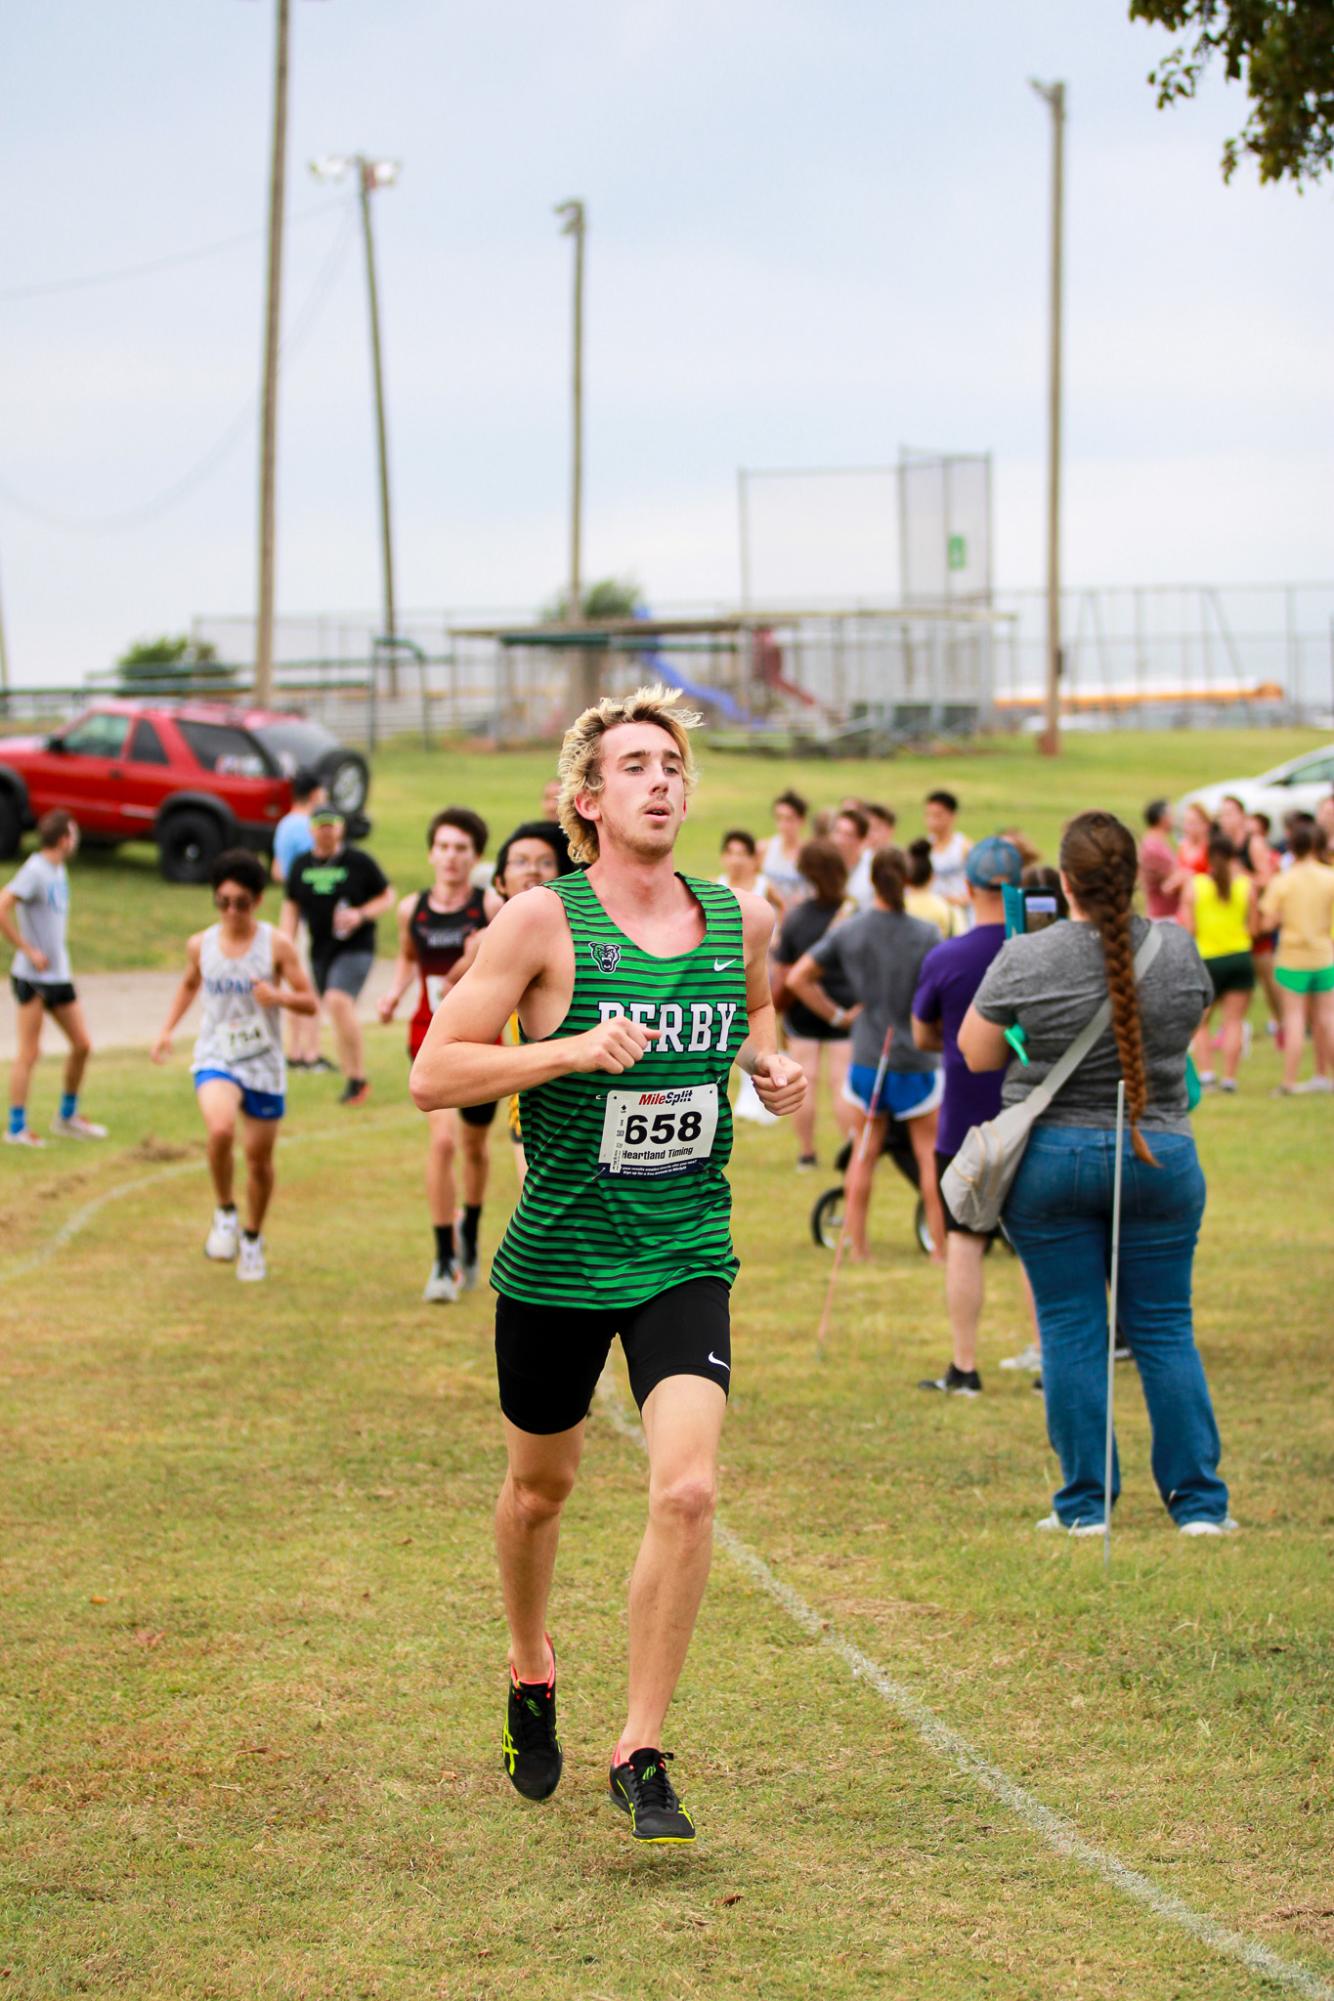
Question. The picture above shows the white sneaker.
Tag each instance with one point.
(1314, 1087)
(1225, 1527)
(222, 1240)
(1053, 1525)
(470, 1272)
(1029, 1358)
(77, 1127)
(25, 1136)
(444, 1285)
(250, 1264)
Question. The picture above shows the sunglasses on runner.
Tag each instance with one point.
(234, 902)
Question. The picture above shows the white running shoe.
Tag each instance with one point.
(77, 1127)
(1053, 1525)
(250, 1264)
(470, 1272)
(444, 1285)
(25, 1136)
(224, 1237)
(1225, 1527)
(1314, 1087)
(1029, 1358)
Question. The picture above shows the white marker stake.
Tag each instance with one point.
(1111, 1325)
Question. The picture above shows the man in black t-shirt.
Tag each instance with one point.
(340, 891)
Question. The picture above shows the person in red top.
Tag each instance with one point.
(1158, 862)
(434, 929)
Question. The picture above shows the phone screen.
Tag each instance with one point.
(1040, 909)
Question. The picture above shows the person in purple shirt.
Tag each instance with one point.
(951, 974)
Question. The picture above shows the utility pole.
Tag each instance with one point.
(1053, 95)
(268, 431)
(574, 223)
(373, 174)
(369, 179)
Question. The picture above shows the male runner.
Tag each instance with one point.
(434, 929)
(238, 1061)
(34, 917)
(636, 989)
(292, 838)
(340, 891)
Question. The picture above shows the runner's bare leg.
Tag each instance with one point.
(683, 1421)
(541, 1473)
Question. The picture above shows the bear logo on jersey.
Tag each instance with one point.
(605, 957)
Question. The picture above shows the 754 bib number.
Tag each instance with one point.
(647, 1134)
(242, 1041)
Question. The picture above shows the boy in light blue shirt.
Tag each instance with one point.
(292, 838)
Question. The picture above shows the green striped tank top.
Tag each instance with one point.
(626, 1192)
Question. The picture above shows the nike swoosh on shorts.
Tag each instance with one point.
(718, 1362)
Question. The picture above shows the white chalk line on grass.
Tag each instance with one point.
(1060, 1834)
(81, 1218)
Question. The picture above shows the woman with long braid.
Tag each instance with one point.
(1059, 1212)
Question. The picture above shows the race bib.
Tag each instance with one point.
(242, 1040)
(650, 1133)
(435, 990)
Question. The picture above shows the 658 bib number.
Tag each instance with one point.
(651, 1133)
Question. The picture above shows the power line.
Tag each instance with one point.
(181, 488)
(50, 286)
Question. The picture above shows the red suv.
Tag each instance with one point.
(195, 777)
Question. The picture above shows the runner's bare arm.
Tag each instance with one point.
(9, 926)
(289, 917)
(375, 906)
(405, 965)
(779, 1082)
(460, 1062)
(181, 999)
(299, 996)
(927, 1034)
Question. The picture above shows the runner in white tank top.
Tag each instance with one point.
(238, 1064)
(237, 1037)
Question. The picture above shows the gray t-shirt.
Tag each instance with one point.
(880, 954)
(42, 889)
(1052, 982)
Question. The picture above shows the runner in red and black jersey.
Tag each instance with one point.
(434, 929)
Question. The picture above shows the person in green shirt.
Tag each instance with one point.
(637, 988)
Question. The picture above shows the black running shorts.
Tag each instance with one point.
(51, 994)
(549, 1358)
(479, 1115)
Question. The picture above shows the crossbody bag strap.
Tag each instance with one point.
(1061, 1072)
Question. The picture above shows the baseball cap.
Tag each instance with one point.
(993, 863)
(326, 814)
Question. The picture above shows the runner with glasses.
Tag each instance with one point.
(238, 1066)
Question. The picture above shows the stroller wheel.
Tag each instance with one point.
(921, 1230)
(827, 1219)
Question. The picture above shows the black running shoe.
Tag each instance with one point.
(641, 1788)
(355, 1091)
(532, 1747)
(954, 1382)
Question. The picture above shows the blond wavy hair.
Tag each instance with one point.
(579, 766)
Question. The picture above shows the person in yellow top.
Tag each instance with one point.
(1219, 909)
(1300, 901)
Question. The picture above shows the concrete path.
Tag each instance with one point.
(126, 1010)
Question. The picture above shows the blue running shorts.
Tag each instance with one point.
(255, 1104)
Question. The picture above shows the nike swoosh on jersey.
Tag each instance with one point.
(719, 1363)
(721, 965)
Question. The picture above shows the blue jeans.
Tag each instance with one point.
(1059, 1217)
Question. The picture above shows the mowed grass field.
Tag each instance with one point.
(251, 1651)
(124, 915)
(252, 1667)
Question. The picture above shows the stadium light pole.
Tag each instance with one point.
(574, 223)
(1053, 96)
(373, 174)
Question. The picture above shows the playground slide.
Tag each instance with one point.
(713, 698)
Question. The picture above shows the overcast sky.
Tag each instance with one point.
(818, 230)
